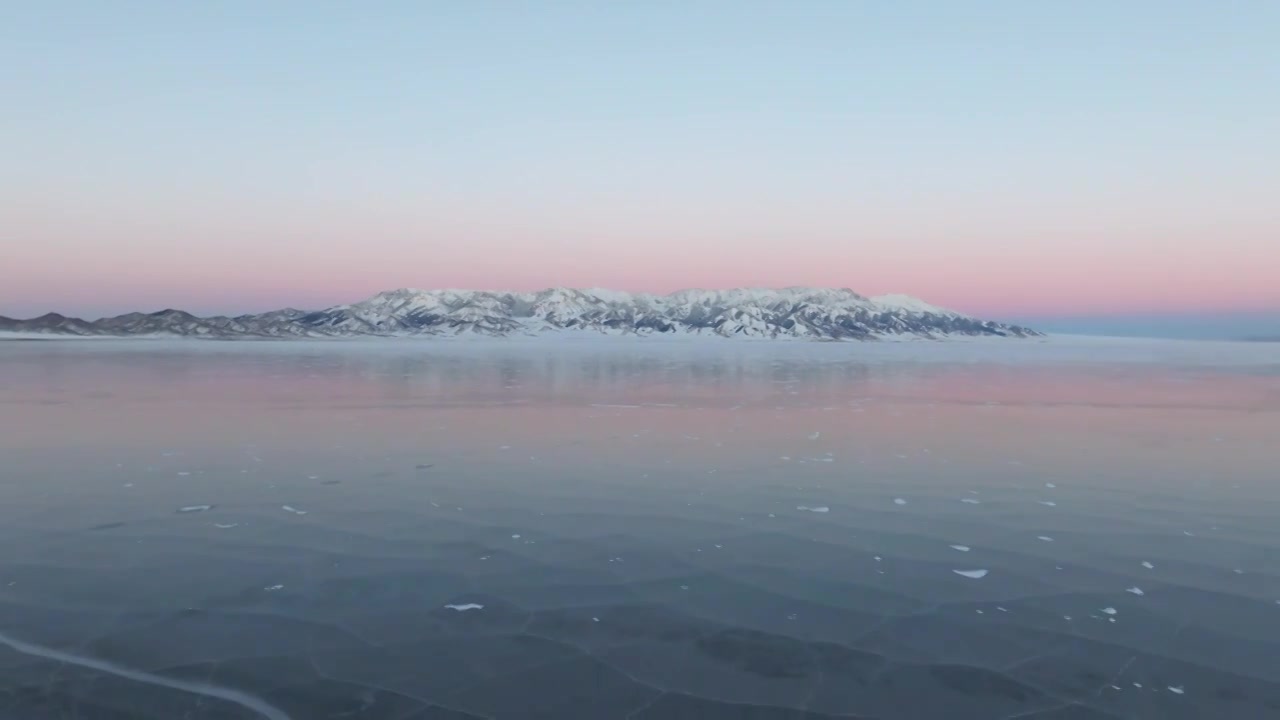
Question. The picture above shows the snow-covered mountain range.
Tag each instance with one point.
(813, 313)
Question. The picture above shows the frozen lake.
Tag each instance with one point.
(638, 528)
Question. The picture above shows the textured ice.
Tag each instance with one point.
(243, 699)
(975, 574)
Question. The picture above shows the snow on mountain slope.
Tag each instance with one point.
(795, 312)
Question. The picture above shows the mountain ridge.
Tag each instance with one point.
(791, 312)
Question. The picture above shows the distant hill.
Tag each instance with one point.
(807, 313)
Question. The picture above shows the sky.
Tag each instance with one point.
(1052, 162)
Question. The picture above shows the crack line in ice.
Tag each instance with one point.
(237, 697)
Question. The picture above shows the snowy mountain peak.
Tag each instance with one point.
(792, 312)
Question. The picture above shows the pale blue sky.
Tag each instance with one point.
(1016, 158)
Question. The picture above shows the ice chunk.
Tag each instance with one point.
(899, 501)
(1050, 485)
(1135, 590)
(272, 588)
(1049, 503)
(292, 509)
(1044, 538)
(225, 526)
(184, 473)
(961, 548)
(1109, 610)
(971, 501)
(975, 574)
(1148, 565)
(194, 508)
(815, 435)
(515, 537)
(465, 607)
(817, 509)
(1176, 689)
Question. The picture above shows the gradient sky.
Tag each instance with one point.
(1012, 159)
